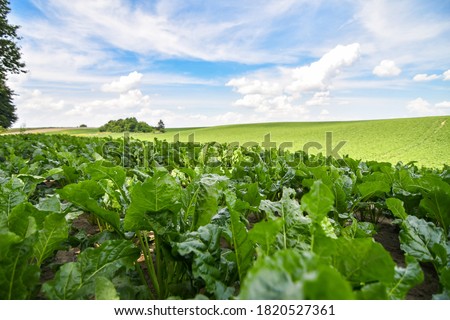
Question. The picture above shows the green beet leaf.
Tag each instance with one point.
(403, 183)
(154, 204)
(329, 285)
(295, 228)
(203, 204)
(396, 207)
(202, 250)
(250, 194)
(274, 277)
(18, 278)
(288, 274)
(8, 239)
(430, 182)
(71, 174)
(85, 195)
(373, 291)
(373, 188)
(437, 205)
(67, 283)
(77, 280)
(111, 256)
(242, 245)
(105, 290)
(11, 194)
(52, 229)
(421, 239)
(52, 204)
(201, 198)
(99, 170)
(104, 171)
(405, 279)
(362, 260)
(340, 197)
(50, 237)
(318, 201)
(288, 208)
(444, 279)
(264, 233)
(25, 219)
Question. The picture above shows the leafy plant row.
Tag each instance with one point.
(212, 221)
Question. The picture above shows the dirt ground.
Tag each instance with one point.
(37, 130)
(61, 257)
(388, 236)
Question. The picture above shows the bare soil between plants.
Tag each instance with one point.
(387, 235)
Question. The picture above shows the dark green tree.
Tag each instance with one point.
(126, 125)
(161, 127)
(144, 127)
(10, 62)
(7, 109)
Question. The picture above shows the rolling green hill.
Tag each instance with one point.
(425, 140)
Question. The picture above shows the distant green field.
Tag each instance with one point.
(77, 131)
(425, 140)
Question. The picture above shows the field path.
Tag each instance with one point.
(35, 130)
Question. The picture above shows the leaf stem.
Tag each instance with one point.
(149, 261)
(159, 270)
(284, 228)
(144, 281)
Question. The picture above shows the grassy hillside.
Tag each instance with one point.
(425, 140)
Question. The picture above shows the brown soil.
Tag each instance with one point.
(387, 235)
(83, 222)
(36, 130)
(64, 256)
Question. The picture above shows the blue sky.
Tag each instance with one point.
(202, 63)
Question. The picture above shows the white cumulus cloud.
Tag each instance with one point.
(318, 75)
(280, 91)
(32, 100)
(425, 77)
(250, 100)
(251, 87)
(386, 68)
(443, 104)
(420, 106)
(124, 84)
(319, 99)
(446, 75)
(126, 102)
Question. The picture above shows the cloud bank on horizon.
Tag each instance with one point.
(201, 63)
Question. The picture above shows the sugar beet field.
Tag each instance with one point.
(105, 218)
(423, 140)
